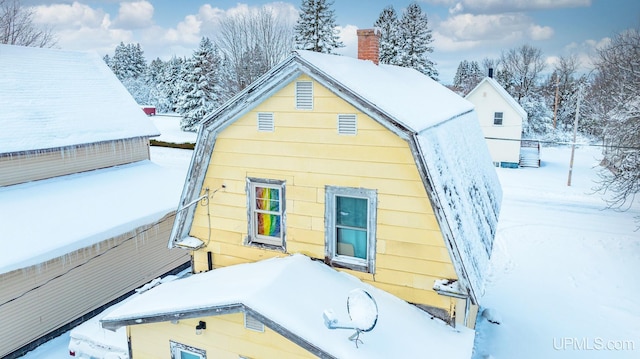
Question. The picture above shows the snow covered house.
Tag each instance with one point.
(327, 173)
(501, 118)
(83, 213)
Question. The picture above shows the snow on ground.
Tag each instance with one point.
(563, 269)
(169, 126)
(562, 277)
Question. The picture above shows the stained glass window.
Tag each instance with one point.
(268, 216)
(266, 206)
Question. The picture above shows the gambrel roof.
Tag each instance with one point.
(289, 295)
(53, 98)
(440, 127)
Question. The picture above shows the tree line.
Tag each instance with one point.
(248, 45)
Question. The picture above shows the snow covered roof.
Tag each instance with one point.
(441, 128)
(52, 98)
(415, 100)
(82, 209)
(493, 83)
(291, 294)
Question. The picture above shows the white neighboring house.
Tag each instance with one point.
(501, 119)
(84, 214)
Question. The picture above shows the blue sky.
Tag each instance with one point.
(462, 29)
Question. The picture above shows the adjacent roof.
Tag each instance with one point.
(510, 100)
(83, 209)
(440, 127)
(290, 295)
(52, 98)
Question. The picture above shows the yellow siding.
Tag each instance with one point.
(225, 338)
(306, 151)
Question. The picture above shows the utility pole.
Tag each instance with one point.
(555, 106)
(575, 132)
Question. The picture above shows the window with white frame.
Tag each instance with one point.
(266, 205)
(304, 95)
(497, 118)
(182, 351)
(350, 233)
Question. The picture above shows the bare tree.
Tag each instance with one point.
(252, 43)
(524, 65)
(18, 28)
(618, 68)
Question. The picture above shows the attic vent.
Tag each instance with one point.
(265, 122)
(347, 124)
(250, 322)
(304, 95)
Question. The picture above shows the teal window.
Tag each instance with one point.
(182, 351)
(350, 220)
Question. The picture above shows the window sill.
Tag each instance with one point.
(267, 246)
(336, 263)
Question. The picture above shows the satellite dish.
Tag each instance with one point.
(362, 309)
(363, 314)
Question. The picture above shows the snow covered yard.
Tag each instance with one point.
(562, 275)
(563, 267)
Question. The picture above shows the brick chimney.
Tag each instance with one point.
(369, 45)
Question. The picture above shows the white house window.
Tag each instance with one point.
(350, 233)
(347, 124)
(266, 202)
(265, 122)
(497, 118)
(182, 351)
(304, 95)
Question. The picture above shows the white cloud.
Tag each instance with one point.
(538, 33)
(497, 6)
(187, 31)
(468, 31)
(63, 16)
(134, 15)
(349, 37)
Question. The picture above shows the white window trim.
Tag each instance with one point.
(176, 348)
(254, 237)
(331, 256)
(501, 118)
(310, 105)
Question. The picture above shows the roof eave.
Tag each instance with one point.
(215, 311)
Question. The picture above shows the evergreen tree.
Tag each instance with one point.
(468, 75)
(389, 25)
(315, 29)
(128, 61)
(415, 37)
(201, 90)
(171, 84)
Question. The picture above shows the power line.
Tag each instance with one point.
(563, 143)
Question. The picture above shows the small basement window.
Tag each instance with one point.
(497, 118)
(266, 211)
(304, 95)
(350, 235)
(182, 351)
